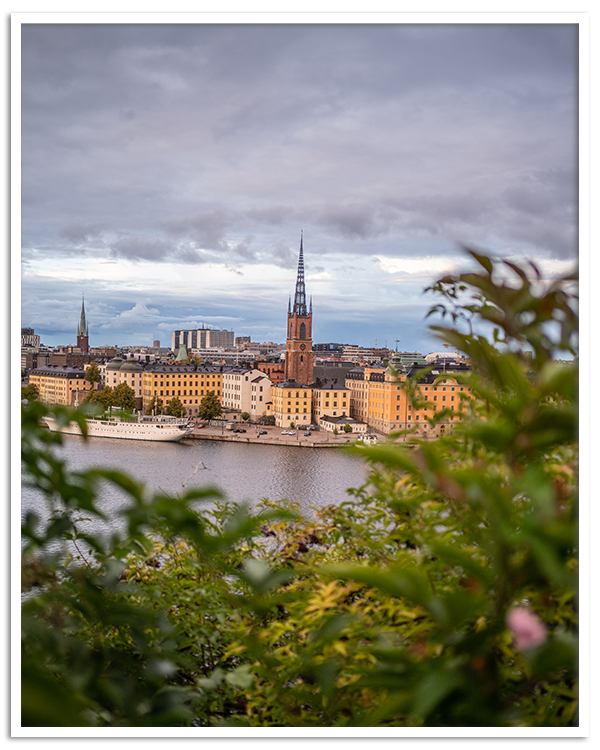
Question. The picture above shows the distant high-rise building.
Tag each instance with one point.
(156, 344)
(298, 352)
(29, 337)
(83, 339)
(202, 338)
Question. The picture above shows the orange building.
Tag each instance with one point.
(379, 397)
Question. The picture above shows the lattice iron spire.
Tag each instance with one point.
(300, 296)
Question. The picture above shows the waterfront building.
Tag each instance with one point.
(83, 339)
(291, 404)
(379, 397)
(245, 391)
(330, 399)
(331, 424)
(298, 351)
(131, 372)
(358, 382)
(189, 383)
(60, 384)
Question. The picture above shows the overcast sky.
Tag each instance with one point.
(168, 170)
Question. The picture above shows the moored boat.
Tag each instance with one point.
(157, 428)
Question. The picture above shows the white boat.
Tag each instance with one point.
(158, 428)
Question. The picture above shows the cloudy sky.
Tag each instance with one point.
(167, 172)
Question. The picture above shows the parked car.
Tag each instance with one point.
(284, 432)
(262, 432)
(307, 433)
(292, 432)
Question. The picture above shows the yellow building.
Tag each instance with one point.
(330, 399)
(291, 403)
(60, 384)
(184, 382)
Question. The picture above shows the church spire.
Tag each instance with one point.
(300, 295)
(82, 329)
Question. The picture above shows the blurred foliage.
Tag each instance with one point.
(30, 392)
(389, 610)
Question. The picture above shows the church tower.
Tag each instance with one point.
(83, 341)
(298, 351)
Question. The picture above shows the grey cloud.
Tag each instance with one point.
(78, 232)
(208, 228)
(142, 248)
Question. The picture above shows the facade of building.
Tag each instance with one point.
(128, 371)
(291, 404)
(186, 382)
(60, 384)
(246, 391)
(379, 398)
(298, 350)
(83, 338)
(275, 371)
(29, 337)
(337, 425)
(32, 357)
(330, 399)
(202, 338)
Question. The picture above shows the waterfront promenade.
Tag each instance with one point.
(320, 439)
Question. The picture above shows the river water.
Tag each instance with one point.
(245, 472)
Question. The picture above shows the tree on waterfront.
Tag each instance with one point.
(124, 397)
(245, 416)
(92, 374)
(210, 406)
(175, 408)
(347, 427)
(104, 398)
(442, 593)
(155, 406)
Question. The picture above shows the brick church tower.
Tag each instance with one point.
(83, 339)
(298, 351)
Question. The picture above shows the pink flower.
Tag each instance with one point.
(526, 627)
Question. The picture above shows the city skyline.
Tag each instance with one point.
(169, 170)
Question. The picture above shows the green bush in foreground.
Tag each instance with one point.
(442, 593)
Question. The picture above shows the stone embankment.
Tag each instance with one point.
(273, 437)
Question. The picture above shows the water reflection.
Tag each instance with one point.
(244, 472)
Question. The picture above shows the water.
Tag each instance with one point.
(245, 472)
